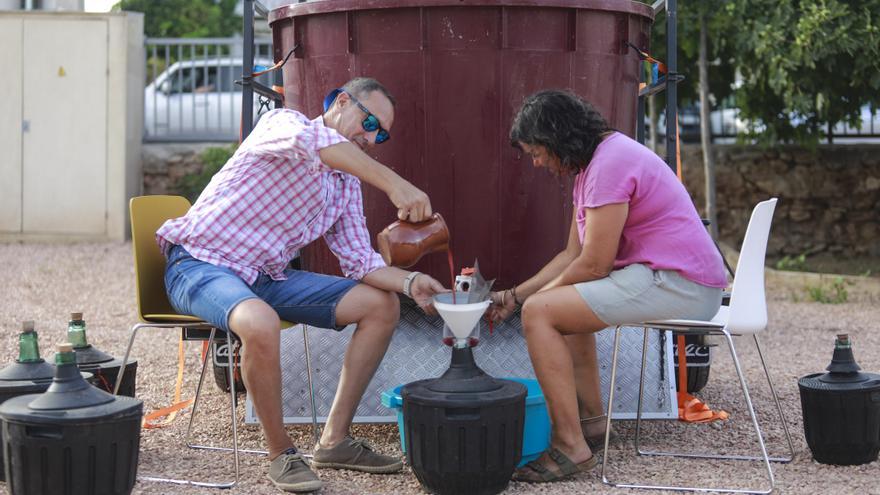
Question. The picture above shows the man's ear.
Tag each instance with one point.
(332, 97)
(343, 99)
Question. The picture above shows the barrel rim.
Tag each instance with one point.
(332, 6)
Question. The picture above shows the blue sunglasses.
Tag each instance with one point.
(370, 122)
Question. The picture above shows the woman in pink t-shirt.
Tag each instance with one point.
(637, 250)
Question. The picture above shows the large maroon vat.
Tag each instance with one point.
(459, 70)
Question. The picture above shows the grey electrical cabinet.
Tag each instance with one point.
(70, 123)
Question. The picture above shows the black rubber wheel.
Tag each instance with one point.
(697, 378)
(221, 375)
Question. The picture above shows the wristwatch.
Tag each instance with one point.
(407, 282)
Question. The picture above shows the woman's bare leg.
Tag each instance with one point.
(547, 318)
(586, 375)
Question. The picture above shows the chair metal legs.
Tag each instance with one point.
(778, 407)
(764, 457)
(311, 385)
(234, 415)
(234, 448)
(232, 391)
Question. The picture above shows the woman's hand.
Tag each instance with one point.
(423, 289)
(503, 305)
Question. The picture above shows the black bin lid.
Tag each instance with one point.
(841, 382)
(843, 373)
(463, 383)
(31, 371)
(70, 400)
(91, 355)
(9, 388)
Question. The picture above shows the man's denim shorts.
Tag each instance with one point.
(211, 292)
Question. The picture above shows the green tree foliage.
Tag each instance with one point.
(185, 18)
(720, 52)
(806, 63)
(213, 159)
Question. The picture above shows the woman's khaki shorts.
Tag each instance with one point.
(637, 293)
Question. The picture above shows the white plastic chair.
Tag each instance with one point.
(746, 315)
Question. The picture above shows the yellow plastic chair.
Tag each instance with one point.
(148, 213)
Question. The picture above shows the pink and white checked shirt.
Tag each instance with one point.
(273, 197)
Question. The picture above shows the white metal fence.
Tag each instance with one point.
(191, 95)
(190, 92)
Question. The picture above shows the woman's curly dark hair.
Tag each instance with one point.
(564, 123)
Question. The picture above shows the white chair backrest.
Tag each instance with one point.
(748, 304)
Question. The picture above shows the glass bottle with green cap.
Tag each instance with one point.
(64, 354)
(76, 331)
(28, 348)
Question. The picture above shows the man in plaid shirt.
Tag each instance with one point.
(291, 181)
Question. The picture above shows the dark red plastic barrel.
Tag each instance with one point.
(459, 70)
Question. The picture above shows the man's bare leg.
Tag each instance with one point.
(259, 329)
(376, 313)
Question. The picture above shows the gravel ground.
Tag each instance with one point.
(45, 282)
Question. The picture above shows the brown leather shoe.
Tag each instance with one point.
(357, 455)
(597, 442)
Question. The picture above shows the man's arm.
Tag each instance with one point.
(349, 240)
(412, 204)
(422, 288)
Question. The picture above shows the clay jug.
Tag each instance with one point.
(402, 244)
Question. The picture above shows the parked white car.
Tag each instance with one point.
(198, 99)
(725, 123)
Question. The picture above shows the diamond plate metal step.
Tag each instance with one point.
(416, 352)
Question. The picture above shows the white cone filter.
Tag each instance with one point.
(461, 318)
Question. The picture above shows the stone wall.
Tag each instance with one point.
(165, 164)
(829, 199)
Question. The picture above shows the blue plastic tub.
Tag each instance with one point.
(536, 436)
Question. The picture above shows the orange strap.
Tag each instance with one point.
(682, 364)
(104, 383)
(677, 151)
(171, 411)
(693, 410)
(690, 408)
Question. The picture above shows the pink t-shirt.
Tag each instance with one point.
(663, 229)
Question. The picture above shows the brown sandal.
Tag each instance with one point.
(535, 472)
(597, 442)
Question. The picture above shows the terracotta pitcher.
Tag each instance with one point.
(402, 244)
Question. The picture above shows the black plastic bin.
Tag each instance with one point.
(842, 410)
(464, 430)
(74, 439)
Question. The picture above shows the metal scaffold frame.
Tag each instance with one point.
(668, 84)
